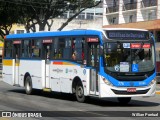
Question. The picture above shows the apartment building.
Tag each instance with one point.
(143, 14)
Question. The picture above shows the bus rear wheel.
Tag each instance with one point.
(80, 93)
(28, 85)
(124, 100)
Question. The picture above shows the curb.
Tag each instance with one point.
(158, 92)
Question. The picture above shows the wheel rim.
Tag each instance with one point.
(80, 92)
(28, 86)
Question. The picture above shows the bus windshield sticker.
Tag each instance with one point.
(146, 45)
(135, 45)
(126, 45)
(124, 67)
(116, 67)
(134, 67)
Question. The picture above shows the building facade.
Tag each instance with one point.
(90, 18)
(142, 14)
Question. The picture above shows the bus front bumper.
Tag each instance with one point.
(112, 91)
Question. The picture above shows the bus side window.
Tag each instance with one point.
(68, 49)
(59, 45)
(8, 49)
(61, 48)
(55, 48)
(93, 55)
(36, 49)
(78, 49)
(26, 49)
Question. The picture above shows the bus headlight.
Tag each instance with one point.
(107, 82)
(152, 82)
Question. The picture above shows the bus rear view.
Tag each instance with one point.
(129, 64)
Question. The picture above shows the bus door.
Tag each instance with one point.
(16, 55)
(47, 50)
(94, 63)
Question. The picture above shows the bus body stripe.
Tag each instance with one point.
(62, 63)
(57, 63)
(7, 62)
(67, 63)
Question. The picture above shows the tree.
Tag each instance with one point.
(8, 16)
(83, 5)
(39, 12)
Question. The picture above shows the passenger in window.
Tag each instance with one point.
(74, 55)
(59, 54)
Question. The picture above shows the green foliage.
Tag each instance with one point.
(1, 39)
(38, 12)
(8, 16)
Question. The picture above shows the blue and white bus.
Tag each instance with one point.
(101, 63)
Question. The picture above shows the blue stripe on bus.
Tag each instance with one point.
(7, 58)
(56, 34)
(130, 83)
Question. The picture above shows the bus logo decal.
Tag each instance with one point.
(66, 70)
(57, 70)
(126, 45)
(84, 71)
(75, 71)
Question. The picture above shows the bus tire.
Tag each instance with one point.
(124, 100)
(28, 85)
(80, 93)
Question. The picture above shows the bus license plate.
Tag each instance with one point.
(131, 90)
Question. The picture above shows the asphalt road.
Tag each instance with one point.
(65, 107)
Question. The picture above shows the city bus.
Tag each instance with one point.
(117, 63)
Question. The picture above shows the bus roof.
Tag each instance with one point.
(55, 33)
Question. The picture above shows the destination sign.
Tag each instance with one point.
(128, 35)
(92, 39)
(17, 42)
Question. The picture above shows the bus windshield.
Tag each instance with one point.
(129, 56)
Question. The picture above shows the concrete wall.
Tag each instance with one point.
(76, 24)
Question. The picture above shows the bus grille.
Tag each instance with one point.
(118, 92)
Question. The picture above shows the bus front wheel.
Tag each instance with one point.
(28, 85)
(124, 100)
(80, 92)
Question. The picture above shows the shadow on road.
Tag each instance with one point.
(108, 102)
